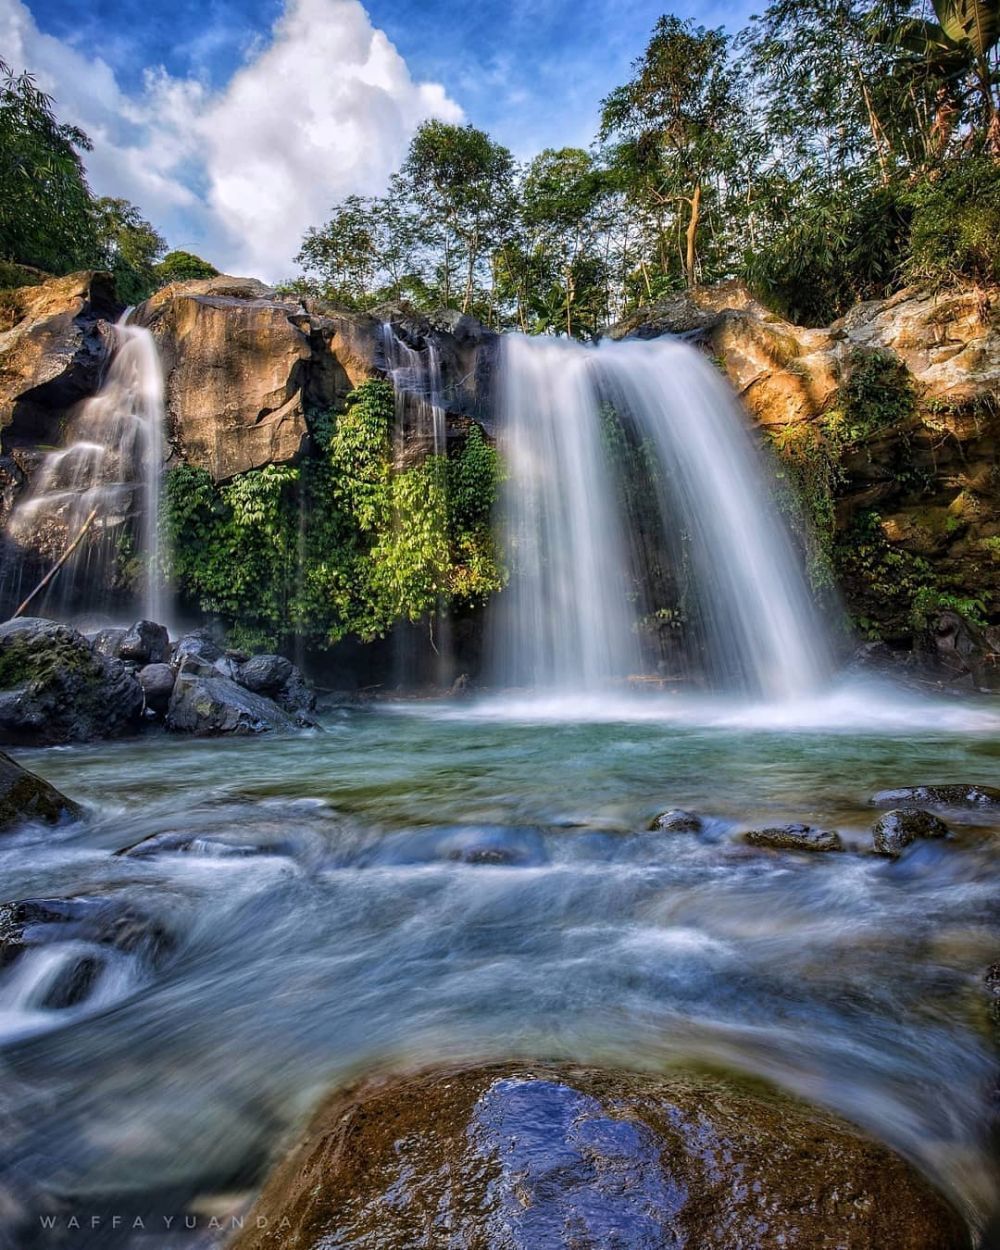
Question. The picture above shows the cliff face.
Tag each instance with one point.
(888, 422)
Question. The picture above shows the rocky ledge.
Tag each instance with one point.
(525, 1156)
(60, 686)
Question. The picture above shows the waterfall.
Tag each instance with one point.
(110, 465)
(586, 430)
(416, 381)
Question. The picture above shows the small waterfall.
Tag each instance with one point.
(110, 466)
(416, 380)
(421, 430)
(572, 616)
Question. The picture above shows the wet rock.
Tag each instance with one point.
(279, 679)
(157, 682)
(212, 706)
(197, 652)
(220, 847)
(894, 831)
(25, 798)
(145, 643)
(107, 641)
(105, 921)
(795, 838)
(55, 687)
(677, 821)
(528, 1157)
(939, 796)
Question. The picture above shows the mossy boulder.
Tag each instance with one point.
(56, 688)
(523, 1157)
(27, 799)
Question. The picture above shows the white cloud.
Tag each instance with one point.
(323, 110)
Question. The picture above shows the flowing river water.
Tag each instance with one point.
(418, 881)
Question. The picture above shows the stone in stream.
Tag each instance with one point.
(676, 820)
(527, 1157)
(145, 643)
(157, 681)
(795, 837)
(25, 798)
(55, 687)
(279, 679)
(939, 796)
(211, 706)
(895, 830)
(101, 922)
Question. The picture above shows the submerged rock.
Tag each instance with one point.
(939, 796)
(527, 1157)
(894, 831)
(676, 820)
(108, 919)
(55, 687)
(795, 838)
(210, 706)
(27, 798)
(500, 845)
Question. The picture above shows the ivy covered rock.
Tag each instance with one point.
(56, 687)
(27, 799)
(213, 706)
(527, 1157)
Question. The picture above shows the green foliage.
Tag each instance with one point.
(13, 276)
(128, 246)
(341, 544)
(955, 229)
(182, 267)
(45, 204)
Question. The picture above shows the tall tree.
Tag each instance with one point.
(128, 246)
(671, 124)
(45, 203)
(463, 182)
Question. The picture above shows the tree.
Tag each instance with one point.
(463, 184)
(45, 203)
(670, 127)
(183, 267)
(128, 246)
(561, 198)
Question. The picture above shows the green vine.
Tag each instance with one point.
(341, 544)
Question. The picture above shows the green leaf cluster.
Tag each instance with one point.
(342, 544)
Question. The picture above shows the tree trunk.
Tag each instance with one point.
(691, 255)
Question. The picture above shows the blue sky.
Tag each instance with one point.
(311, 96)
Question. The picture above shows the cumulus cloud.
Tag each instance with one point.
(323, 109)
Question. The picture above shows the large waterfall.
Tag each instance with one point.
(620, 458)
(102, 487)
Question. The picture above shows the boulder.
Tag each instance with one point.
(677, 821)
(145, 643)
(94, 922)
(157, 682)
(958, 649)
(795, 837)
(895, 830)
(971, 796)
(212, 706)
(279, 679)
(197, 652)
(25, 798)
(527, 1157)
(54, 341)
(55, 687)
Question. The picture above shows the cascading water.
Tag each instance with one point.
(420, 430)
(416, 380)
(110, 466)
(571, 618)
